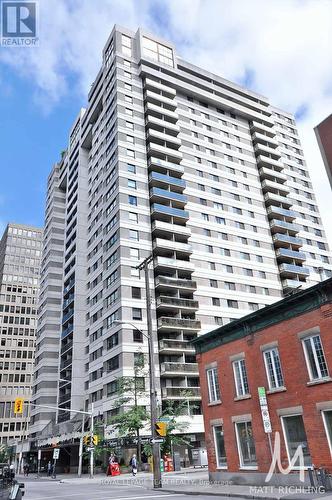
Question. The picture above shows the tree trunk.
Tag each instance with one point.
(139, 450)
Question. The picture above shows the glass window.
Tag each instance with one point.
(213, 385)
(131, 183)
(131, 168)
(327, 417)
(315, 357)
(219, 444)
(133, 216)
(246, 444)
(133, 234)
(295, 436)
(240, 377)
(273, 368)
(135, 292)
(137, 336)
(132, 200)
(134, 252)
(137, 314)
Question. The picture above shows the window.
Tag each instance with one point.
(132, 200)
(113, 364)
(218, 320)
(253, 306)
(240, 377)
(232, 303)
(245, 444)
(215, 301)
(327, 419)
(137, 314)
(129, 125)
(131, 168)
(205, 217)
(295, 435)
(134, 253)
(229, 285)
(133, 216)
(315, 358)
(133, 234)
(219, 445)
(135, 292)
(214, 283)
(273, 368)
(131, 184)
(213, 385)
(137, 336)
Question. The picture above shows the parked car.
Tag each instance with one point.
(9, 487)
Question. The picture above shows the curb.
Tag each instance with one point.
(222, 495)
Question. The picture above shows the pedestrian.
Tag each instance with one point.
(12, 471)
(27, 467)
(49, 468)
(133, 463)
(24, 470)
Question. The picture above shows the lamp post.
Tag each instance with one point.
(157, 483)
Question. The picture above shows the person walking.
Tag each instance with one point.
(49, 468)
(133, 463)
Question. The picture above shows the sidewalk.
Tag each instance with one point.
(192, 482)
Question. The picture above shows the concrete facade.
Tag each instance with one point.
(171, 160)
(20, 256)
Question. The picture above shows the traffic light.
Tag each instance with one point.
(161, 428)
(18, 406)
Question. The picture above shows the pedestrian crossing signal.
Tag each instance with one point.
(18, 406)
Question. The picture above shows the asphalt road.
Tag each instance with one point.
(99, 489)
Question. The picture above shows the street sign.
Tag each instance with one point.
(264, 410)
(161, 428)
(156, 440)
(91, 448)
(56, 453)
(39, 454)
(18, 406)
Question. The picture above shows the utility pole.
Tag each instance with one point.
(91, 444)
(157, 483)
(80, 451)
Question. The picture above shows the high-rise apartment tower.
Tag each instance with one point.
(170, 160)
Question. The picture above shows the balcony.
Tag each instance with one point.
(175, 346)
(276, 212)
(154, 97)
(149, 83)
(164, 194)
(158, 180)
(262, 138)
(67, 316)
(64, 398)
(157, 123)
(179, 368)
(166, 302)
(158, 209)
(289, 285)
(172, 245)
(164, 164)
(266, 150)
(272, 199)
(283, 240)
(163, 136)
(285, 254)
(181, 392)
(274, 187)
(154, 109)
(280, 226)
(265, 161)
(160, 226)
(67, 331)
(167, 323)
(68, 301)
(66, 347)
(173, 263)
(69, 287)
(183, 284)
(64, 364)
(259, 127)
(154, 148)
(291, 269)
(269, 173)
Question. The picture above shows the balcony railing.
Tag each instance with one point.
(175, 345)
(272, 198)
(63, 398)
(173, 212)
(261, 127)
(66, 363)
(274, 186)
(179, 323)
(284, 240)
(257, 137)
(159, 225)
(283, 212)
(284, 226)
(167, 179)
(66, 347)
(67, 331)
(153, 147)
(293, 269)
(291, 254)
(175, 282)
(172, 245)
(181, 392)
(168, 195)
(179, 368)
(262, 148)
(292, 284)
(263, 160)
(174, 263)
(67, 316)
(165, 164)
(154, 96)
(177, 303)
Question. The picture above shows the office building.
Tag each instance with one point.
(20, 255)
(268, 375)
(170, 160)
(323, 133)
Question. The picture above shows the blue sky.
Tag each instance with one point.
(280, 48)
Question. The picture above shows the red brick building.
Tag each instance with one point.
(323, 133)
(287, 349)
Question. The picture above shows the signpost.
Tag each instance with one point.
(56, 453)
(157, 440)
(38, 464)
(265, 415)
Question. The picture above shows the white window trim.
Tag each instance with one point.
(315, 357)
(239, 450)
(329, 438)
(216, 448)
(297, 467)
(213, 389)
(274, 369)
(238, 393)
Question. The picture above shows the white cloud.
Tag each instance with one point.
(285, 44)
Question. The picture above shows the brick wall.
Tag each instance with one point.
(297, 393)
